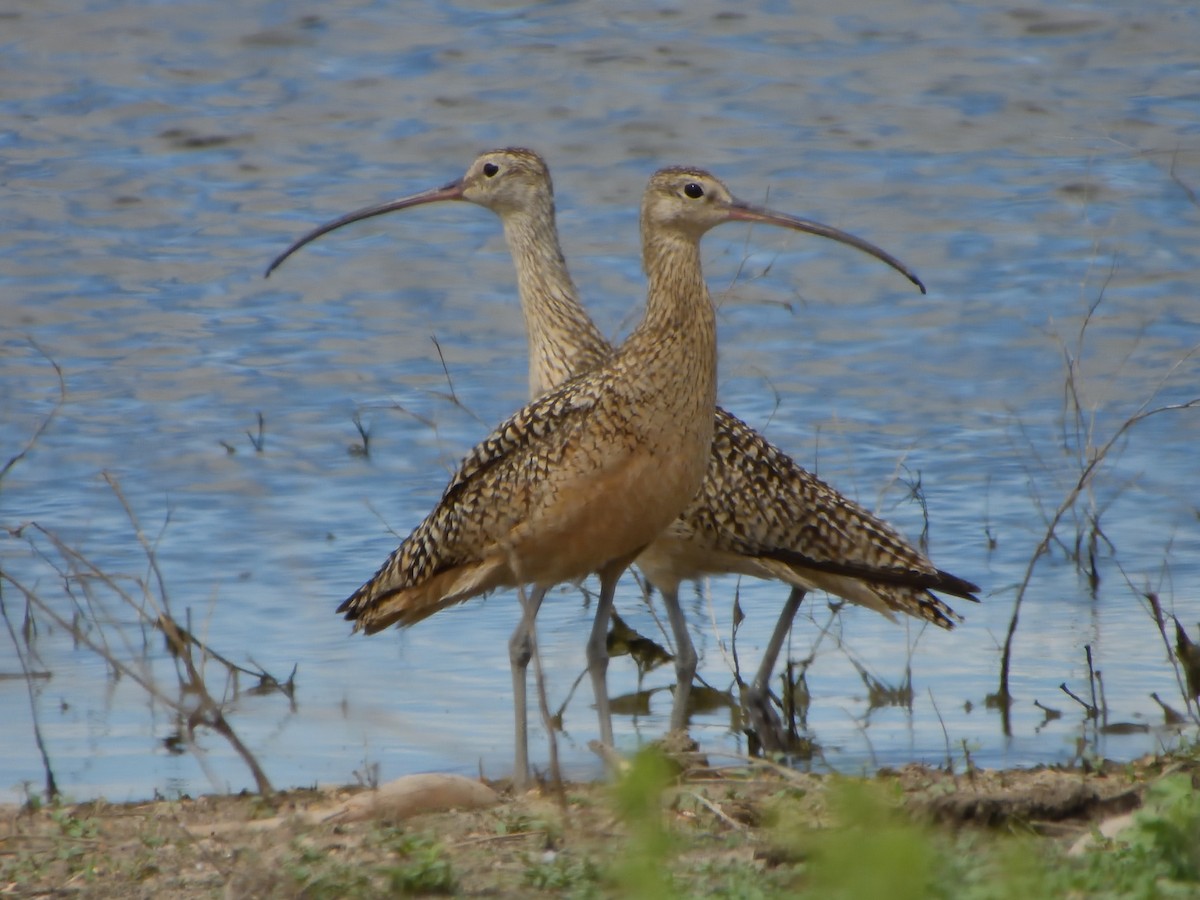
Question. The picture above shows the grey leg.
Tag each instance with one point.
(520, 651)
(685, 658)
(758, 697)
(597, 653)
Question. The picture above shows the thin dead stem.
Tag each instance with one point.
(22, 647)
(46, 420)
(1152, 598)
(93, 626)
(450, 384)
(22, 657)
(1091, 458)
(1183, 186)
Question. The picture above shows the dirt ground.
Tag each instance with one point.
(544, 842)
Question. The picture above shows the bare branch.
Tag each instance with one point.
(47, 419)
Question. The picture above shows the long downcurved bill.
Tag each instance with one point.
(741, 211)
(451, 191)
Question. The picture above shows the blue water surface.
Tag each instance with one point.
(1038, 167)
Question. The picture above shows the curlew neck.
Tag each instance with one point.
(679, 319)
(563, 340)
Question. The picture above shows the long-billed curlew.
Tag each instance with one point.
(756, 506)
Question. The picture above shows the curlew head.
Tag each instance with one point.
(504, 181)
(509, 180)
(686, 202)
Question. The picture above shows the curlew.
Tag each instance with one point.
(758, 512)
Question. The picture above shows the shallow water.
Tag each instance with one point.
(155, 157)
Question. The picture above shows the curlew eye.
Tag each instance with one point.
(490, 169)
(693, 190)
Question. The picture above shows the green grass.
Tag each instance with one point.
(416, 865)
(747, 835)
(861, 843)
(642, 870)
(564, 874)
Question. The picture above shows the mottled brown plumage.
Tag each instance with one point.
(758, 512)
(586, 474)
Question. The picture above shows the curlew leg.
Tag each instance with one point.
(685, 658)
(597, 650)
(520, 651)
(758, 698)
